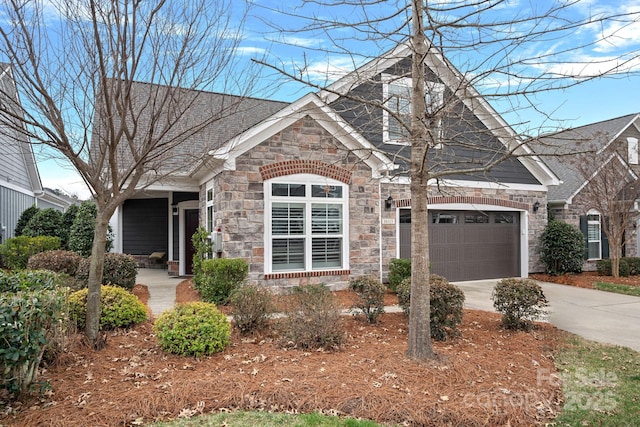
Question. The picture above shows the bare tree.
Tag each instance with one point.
(612, 189)
(106, 85)
(504, 58)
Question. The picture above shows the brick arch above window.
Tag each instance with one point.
(405, 203)
(315, 167)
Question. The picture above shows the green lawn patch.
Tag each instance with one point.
(600, 384)
(267, 419)
(618, 289)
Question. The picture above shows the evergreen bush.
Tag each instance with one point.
(399, 269)
(30, 323)
(521, 301)
(604, 267)
(68, 217)
(46, 222)
(193, 329)
(563, 248)
(219, 277)
(24, 218)
(446, 305)
(82, 230)
(119, 270)
(59, 261)
(119, 308)
(16, 251)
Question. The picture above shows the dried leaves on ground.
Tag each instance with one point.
(487, 376)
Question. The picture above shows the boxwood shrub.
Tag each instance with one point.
(119, 308)
(447, 303)
(59, 261)
(369, 297)
(193, 329)
(521, 301)
(119, 270)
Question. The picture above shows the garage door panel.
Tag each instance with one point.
(473, 251)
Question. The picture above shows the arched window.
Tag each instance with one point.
(306, 224)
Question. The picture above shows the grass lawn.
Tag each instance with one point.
(265, 419)
(617, 288)
(600, 384)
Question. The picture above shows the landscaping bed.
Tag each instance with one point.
(486, 376)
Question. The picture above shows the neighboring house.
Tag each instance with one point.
(316, 191)
(613, 141)
(20, 185)
(19, 179)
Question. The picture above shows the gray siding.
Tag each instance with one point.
(461, 126)
(145, 225)
(12, 204)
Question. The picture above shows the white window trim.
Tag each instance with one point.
(599, 223)
(209, 204)
(407, 82)
(308, 180)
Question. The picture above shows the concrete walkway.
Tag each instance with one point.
(162, 288)
(595, 315)
(600, 316)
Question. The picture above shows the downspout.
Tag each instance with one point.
(381, 202)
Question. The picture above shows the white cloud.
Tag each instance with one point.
(250, 50)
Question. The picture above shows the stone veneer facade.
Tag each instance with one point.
(306, 147)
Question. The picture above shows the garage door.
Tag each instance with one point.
(468, 245)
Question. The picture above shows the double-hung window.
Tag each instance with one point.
(306, 224)
(209, 204)
(594, 239)
(396, 92)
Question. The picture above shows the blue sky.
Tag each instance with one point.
(580, 52)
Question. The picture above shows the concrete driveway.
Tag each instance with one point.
(600, 316)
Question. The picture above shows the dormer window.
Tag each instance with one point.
(396, 93)
(632, 149)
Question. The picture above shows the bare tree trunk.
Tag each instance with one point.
(96, 266)
(420, 311)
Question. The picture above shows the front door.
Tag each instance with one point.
(190, 227)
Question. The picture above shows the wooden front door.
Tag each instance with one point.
(191, 223)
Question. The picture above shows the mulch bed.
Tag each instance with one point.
(586, 279)
(487, 376)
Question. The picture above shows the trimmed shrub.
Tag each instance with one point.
(118, 308)
(30, 280)
(369, 297)
(25, 216)
(119, 270)
(82, 230)
(313, 319)
(202, 245)
(604, 267)
(563, 248)
(520, 301)
(59, 261)
(30, 324)
(634, 265)
(16, 251)
(46, 222)
(252, 308)
(193, 329)
(399, 269)
(219, 277)
(446, 305)
(68, 217)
